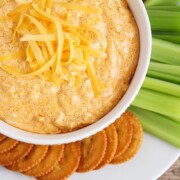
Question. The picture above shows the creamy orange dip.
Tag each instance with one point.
(35, 104)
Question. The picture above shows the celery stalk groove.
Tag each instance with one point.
(158, 102)
(165, 52)
(162, 86)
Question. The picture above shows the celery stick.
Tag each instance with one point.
(166, 8)
(173, 119)
(149, 3)
(172, 37)
(164, 76)
(165, 68)
(158, 125)
(162, 20)
(162, 86)
(165, 52)
(158, 102)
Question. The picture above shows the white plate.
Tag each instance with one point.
(154, 158)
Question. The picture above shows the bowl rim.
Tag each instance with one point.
(123, 104)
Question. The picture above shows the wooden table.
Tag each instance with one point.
(173, 173)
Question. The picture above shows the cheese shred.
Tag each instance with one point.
(53, 43)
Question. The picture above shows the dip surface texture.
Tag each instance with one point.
(36, 105)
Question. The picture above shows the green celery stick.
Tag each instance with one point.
(172, 37)
(149, 3)
(158, 102)
(158, 125)
(163, 76)
(165, 68)
(173, 119)
(166, 8)
(162, 86)
(162, 20)
(165, 52)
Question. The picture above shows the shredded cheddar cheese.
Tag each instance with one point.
(53, 43)
(19, 10)
(16, 55)
(39, 37)
(3, 18)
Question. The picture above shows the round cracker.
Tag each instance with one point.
(112, 142)
(36, 155)
(92, 151)
(68, 164)
(124, 130)
(2, 137)
(16, 154)
(7, 144)
(50, 161)
(135, 143)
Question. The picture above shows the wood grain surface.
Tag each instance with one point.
(173, 173)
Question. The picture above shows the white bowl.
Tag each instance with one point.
(140, 14)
